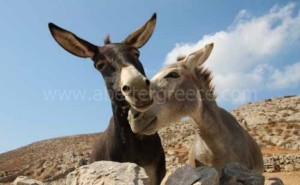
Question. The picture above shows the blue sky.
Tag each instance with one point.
(32, 64)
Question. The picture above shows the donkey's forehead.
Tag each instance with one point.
(116, 48)
(118, 53)
(178, 65)
(167, 69)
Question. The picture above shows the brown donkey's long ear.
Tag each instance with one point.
(72, 43)
(199, 57)
(142, 35)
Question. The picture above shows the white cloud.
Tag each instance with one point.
(241, 58)
(289, 77)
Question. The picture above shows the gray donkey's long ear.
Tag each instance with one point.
(200, 56)
(139, 37)
(71, 42)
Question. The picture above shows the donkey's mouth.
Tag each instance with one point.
(143, 107)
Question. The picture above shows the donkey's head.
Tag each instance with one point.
(178, 90)
(117, 62)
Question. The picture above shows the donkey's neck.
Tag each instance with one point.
(121, 125)
(210, 127)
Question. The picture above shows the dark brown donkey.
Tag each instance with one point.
(122, 71)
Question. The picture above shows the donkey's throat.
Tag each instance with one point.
(207, 153)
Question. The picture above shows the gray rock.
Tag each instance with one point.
(237, 174)
(57, 182)
(2, 173)
(274, 181)
(108, 173)
(187, 175)
(23, 180)
(289, 167)
(208, 176)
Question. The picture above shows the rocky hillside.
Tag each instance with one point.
(47, 160)
(274, 123)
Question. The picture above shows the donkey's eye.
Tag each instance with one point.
(137, 54)
(100, 66)
(172, 75)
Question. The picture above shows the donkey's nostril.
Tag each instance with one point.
(147, 82)
(135, 114)
(125, 88)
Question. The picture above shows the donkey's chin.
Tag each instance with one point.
(149, 129)
(142, 107)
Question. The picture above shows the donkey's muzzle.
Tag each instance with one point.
(136, 88)
(142, 106)
(138, 95)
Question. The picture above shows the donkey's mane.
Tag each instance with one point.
(180, 58)
(204, 75)
(107, 40)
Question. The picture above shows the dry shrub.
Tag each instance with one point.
(278, 130)
(267, 142)
(288, 132)
(286, 136)
(268, 129)
(297, 127)
(285, 114)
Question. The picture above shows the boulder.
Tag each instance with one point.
(108, 173)
(289, 167)
(23, 180)
(208, 175)
(187, 175)
(231, 174)
(2, 174)
(236, 174)
(184, 175)
(274, 181)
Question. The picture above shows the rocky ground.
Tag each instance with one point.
(274, 123)
(47, 160)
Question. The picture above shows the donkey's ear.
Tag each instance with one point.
(72, 43)
(142, 35)
(199, 57)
